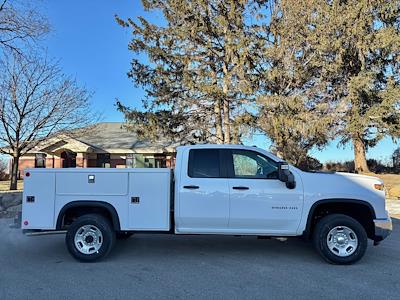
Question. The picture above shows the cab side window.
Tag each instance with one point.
(250, 164)
(244, 165)
(204, 163)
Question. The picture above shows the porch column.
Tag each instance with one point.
(81, 161)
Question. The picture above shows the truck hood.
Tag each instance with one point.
(323, 185)
(359, 176)
(340, 184)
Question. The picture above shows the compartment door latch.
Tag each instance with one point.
(91, 178)
(135, 200)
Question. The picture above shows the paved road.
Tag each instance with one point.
(181, 267)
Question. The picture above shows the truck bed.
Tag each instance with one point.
(141, 197)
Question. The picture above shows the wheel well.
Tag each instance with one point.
(359, 210)
(76, 209)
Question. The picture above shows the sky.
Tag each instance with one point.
(93, 48)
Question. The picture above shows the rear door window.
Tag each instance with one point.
(204, 163)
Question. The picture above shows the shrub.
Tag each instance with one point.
(3, 170)
(339, 166)
(396, 160)
(310, 164)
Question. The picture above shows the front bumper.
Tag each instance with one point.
(383, 228)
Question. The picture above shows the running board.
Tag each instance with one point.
(28, 232)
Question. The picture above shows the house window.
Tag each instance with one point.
(149, 162)
(160, 162)
(103, 160)
(130, 160)
(40, 160)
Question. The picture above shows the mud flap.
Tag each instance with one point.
(17, 221)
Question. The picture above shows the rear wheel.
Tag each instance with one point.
(90, 238)
(340, 239)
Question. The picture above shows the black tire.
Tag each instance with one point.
(107, 233)
(325, 225)
(123, 235)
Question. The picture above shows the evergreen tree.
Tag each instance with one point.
(332, 63)
(316, 70)
(197, 77)
(365, 52)
(293, 110)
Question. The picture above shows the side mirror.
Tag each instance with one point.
(286, 176)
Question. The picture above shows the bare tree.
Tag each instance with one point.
(20, 24)
(36, 101)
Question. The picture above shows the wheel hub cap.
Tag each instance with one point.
(342, 241)
(88, 239)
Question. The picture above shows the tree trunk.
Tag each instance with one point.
(227, 124)
(217, 105)
(360, 161)
(218, 121)
(225, 91)
(14, 173)
(235, 134)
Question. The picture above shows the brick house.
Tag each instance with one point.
(107, 145)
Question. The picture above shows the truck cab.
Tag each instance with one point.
(230, 189)
(214, 189)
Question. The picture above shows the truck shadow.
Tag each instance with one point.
(150, 249)
(188, 247)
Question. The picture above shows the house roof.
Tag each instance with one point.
(113, 135)
(106, 137)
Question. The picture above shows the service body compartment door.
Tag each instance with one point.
(92, 183)
(38, 200)
(149, 199)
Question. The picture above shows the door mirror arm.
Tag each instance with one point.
(285, 175)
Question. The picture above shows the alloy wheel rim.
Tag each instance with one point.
(342, 241)
(88, 239)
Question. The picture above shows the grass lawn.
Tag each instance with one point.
(5, 185)
(392, 183)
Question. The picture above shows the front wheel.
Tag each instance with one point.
(90, 238)
(340, 239)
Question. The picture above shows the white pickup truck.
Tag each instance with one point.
(214, 189)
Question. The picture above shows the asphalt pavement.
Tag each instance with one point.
(193, 267)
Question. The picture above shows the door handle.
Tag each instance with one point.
(240, 188)
(190, 187)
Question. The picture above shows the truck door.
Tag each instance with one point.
(260, 203)
(203, 204)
